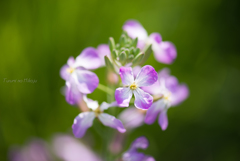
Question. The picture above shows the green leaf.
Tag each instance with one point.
(138, 59)
(109, 64)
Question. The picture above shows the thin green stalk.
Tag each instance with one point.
(105, 89)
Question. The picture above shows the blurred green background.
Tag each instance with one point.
(37, 38)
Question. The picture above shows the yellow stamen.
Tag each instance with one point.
(70, 70)
(97, 111)
(133, 86)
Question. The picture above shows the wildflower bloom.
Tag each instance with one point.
(146, 77)
(85, 119)
(133, 155)
(168, 92)
(164, 51)
(78, 78)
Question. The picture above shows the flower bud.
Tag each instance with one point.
(138, 59)
(111, 44)
(109, 64)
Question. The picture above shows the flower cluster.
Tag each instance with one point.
(154, 92)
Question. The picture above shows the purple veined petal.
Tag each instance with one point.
(64, 72)
(135, 29)
(111, 121)
(71, 61)
(147, 76)
(163, 120)
(180, 94)
(155, 39)
(72, 94)
(70, 149)
(87, 81)
(165, 52)
(103, 49)
(82, 122)
(123, 96)
(88, 59)
(154, 89)
(154, 111)
(136, 70)
(105, 106)
(126, 75)
(91, 103)
(143, 100)
(131, 118)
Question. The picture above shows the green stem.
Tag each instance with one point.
(105, 89)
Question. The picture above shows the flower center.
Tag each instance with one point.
(97, 111)
(167, 96)
(133, 86)
(70, 70)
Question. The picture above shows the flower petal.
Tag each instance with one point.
(165, 52)
(153, 89)
(154, 111)
(180, 94)
(155, 39)
(87, 81)
(88, 59)
(64, 72)
(72, 95)
(132, 117)
(69, 148)
(126, 75)
(135, 29)
(103, 49)
(111, 121)
(140, 142)
(91, 103)
(136, 70)
(71, 61)
(143, 100)
(123, 96)
(81, 123)
(147, 76)
(163, 120)
(105, 106)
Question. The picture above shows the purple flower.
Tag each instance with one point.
(70, 149)
(146, 77)
(78, 79)
(168, 92)
(85, 119)
(133, 155)
(164, 51)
